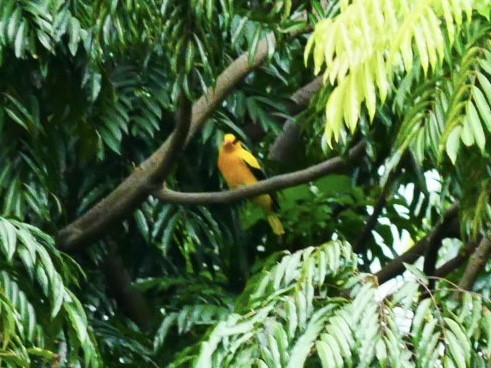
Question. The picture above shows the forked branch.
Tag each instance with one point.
(135, 188)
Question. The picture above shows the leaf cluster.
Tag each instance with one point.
(42, 321)
(312, 308)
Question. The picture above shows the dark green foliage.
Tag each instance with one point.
(42, 319)
(88, 91)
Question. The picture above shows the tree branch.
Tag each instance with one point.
(448, 227)
(134, 189)
(302, 96)
(264, 186)
(226, 82)
(128, 298)
(283, 148)
(371, 222)
(457, 261)
(476, 263)
(434, 245)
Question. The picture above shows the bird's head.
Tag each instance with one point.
(230, 141)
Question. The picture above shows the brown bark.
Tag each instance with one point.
(131, 301)
(285, 147)
(365, 234)
(449, 226)
(134, 189)
(131, 192)
(264, 186)
(476, 263)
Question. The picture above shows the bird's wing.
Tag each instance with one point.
(253, 164)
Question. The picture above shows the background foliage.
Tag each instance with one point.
(89, 89)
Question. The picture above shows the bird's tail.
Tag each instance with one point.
(275, 224)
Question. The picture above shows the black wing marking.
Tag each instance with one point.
(275, 204)
(260, 175)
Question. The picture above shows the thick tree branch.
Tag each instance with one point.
(264, 186)
(134, 189)
(226, 82)
(283, 148)
(448, 227)
(128, 298)
(365, 234)
(476, 263)
(434, 245)
(302, 96)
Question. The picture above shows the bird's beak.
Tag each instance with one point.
(228, 144)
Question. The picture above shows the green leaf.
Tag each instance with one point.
(254, 44)
(141, 223)
(420, 42)
(45, 354)
(8, 238)
(486, 65)
(453, 143)
(461, 338)
(483, 106)
(274, 349)
(341, 331)
(189, 57)
(419, 316)
(78, 322)
(467, 134)
(485, 85)
(381, 76)
(475, 123)
(336, 355)
(20, 39)
(381, 351)
(169, 229)
(325, 354)
(110, 138)
(74, 31)
(58, 295)
(303, 345)
(369, 91)
(282, 340)
(14, 22)
(19, 120)
(334, 115)
(94, 85)
(456, 350)
(406, 295)
(351, 103)
(417, 273)
(292, 319)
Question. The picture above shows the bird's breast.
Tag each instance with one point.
(234, 170)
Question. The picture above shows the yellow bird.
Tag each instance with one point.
(239, 167)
